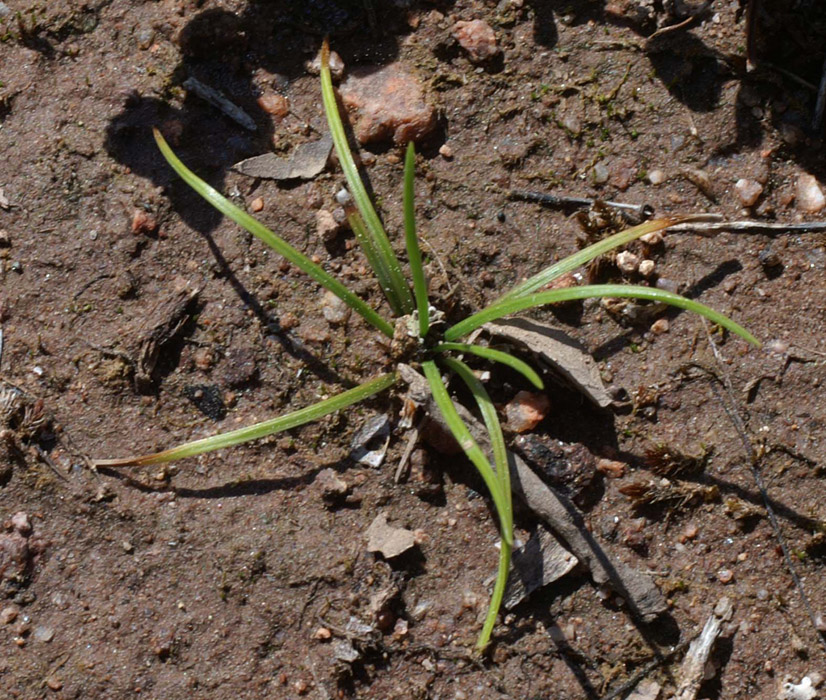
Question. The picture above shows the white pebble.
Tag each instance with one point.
(810, 197)
(656, 177)
(646, 268)
(653, 238)
(627, 262)
(336, 65)
(343, 197)
(43, 634)
(334, 309)
(748, 191)
(600, 174)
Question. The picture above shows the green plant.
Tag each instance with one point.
(416, 333)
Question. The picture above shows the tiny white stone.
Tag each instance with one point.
(748, 191)
(810, 197)
(627, 262)
(343, 197)
(656, 177)
(646, 268)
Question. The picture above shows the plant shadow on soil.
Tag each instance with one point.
(783, 86)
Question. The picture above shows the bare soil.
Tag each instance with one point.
(230, 575)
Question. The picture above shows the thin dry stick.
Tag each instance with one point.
(730, 407)
(709, 228)
(820, 105)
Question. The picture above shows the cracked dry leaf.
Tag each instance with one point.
(389, 541)
(304, 163)
(541, 561)
(557, 349)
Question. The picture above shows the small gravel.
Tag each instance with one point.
(477, 38)
(809, 196)
(389, 103)
(748, 191)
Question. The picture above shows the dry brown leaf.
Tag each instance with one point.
(559, 350)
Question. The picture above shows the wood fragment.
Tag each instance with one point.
(217, 100)
(304, 163)
(541, 561)
(161, 325)
(692, 670)
(563, 518)
(709, 228)
(556, 348)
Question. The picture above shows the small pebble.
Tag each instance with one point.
(809, 196)
(623, 172)
(274, 104)
(668, 285)
(627, 262)
(748, 191)
(526, 411)
(600, 173)
(9, 614)
(689, 532)
(334, 309)
(653, 238)
(322, 634)
(477, 38)
(43, 634)
(326, 226)
(611, 468)
(646, 268)
(387, 103)
(725, 575)
(20, 522)
(656, 177)
(142, 223)
(445, 151)
(333, 487)
(54, 683)
(336, 65)
(145, 37)
(204, 358)
(257, 204)
(660, 326)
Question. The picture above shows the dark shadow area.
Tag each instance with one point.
(786, 45)
(232, 489)
(689, 70)
(692, 72)
(713, 279)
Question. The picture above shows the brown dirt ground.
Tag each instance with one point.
(210, 580)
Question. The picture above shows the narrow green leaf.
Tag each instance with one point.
(500, 457)
(504, 358)
(584, 256)
(278, 244)
(460, 431)
(374, 258)
(497, 439)
(414, 254)
(401, 297)
(259, 430)
(512, 306)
